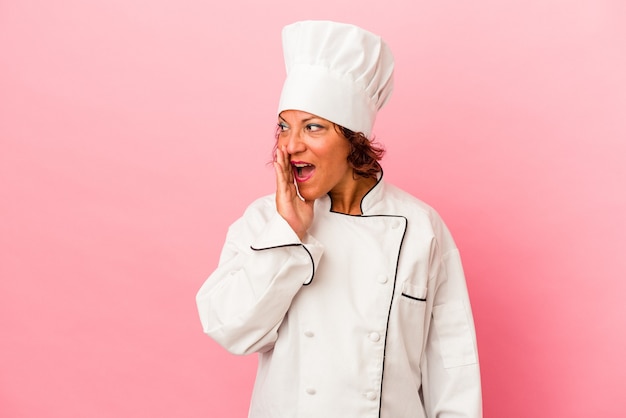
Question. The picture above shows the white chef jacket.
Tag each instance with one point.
(368, 316)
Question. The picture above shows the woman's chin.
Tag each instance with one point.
(308, 194)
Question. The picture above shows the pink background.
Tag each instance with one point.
(133, 132)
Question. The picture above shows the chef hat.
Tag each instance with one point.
(336, 71)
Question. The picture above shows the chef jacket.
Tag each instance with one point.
(367, 316)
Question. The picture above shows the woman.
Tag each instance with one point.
(351, 290)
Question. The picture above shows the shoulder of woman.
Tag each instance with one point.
(409, 202)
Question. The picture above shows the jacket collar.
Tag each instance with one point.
(369, 202)
(373, 197)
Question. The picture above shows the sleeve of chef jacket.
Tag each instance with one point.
(262, 267)
(451, 375)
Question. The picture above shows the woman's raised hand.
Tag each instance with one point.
(297, 213)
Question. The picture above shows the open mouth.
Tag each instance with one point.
(302, 171)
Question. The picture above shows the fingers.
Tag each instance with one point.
(282, 168)
(286, 165)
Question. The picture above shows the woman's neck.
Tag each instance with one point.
(348, 199)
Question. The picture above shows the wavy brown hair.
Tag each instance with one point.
(364, 154)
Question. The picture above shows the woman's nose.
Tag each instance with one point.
(295, 143)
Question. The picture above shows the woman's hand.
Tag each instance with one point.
(297, 213)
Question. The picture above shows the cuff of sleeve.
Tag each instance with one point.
(278, 234)
(315, 250)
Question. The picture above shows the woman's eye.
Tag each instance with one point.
(282, 127)
(313, 127)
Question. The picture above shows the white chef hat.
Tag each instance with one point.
(336, 71)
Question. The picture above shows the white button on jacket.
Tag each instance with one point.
(271, 290)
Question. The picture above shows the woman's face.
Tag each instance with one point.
(318, 153)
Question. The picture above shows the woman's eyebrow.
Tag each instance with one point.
(305, 120)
